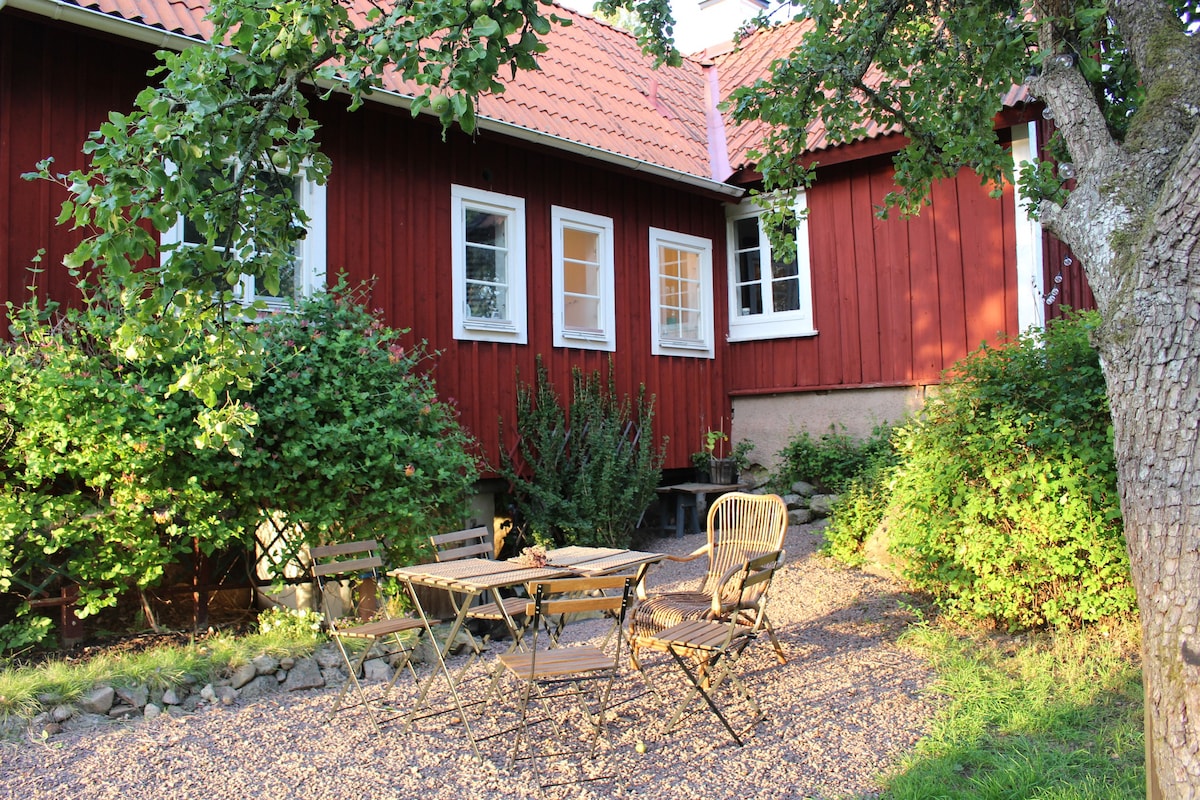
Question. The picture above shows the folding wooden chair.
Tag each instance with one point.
(478, 543)
(740, 526)
(550, 673)
(352, 571)
(708, 650)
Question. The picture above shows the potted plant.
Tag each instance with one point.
(717, 462)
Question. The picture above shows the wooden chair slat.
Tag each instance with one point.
(350, 565)
(331, 550)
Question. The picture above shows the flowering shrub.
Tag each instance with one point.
(291, 623)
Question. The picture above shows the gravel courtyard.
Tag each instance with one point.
(845, 707)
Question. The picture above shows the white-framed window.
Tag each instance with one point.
(582, 254)
(304, 275)
(769, 298)
(488, 263)
(681, 303)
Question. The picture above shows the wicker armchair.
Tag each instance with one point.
(740, 527)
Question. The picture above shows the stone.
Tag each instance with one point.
(50, 729)
(804, 488)
(226, 695)
(821, 505)
(151, 711)
(378, 669)
(306, 674)
(259, 687)
(176, 712)
(243, 675)
(50, 698)
(287, 662)
(327, 656)
(265, 664)
(794, 501)
(61, 712)
(98, 700)
(136, 696)
(171, 697)
(281, 676)
(122, 711)
(189, 704)
(208, 693)
(799, 516)
(333, 676)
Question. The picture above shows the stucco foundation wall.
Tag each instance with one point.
(771, 420)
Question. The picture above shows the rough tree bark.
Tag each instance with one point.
(1134, 219)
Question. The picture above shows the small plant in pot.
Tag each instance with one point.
(719, 463)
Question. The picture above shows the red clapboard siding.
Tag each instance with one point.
(896, 301)
(405, 247)
(51, 96)
(388, 222)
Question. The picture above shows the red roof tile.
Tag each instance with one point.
(752, 60)
(594, 88)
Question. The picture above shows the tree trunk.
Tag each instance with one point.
(1150, 348)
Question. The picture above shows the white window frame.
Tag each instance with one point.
(562, 219)
(661, 344)
(770, 324)
(514, 328)
(311, 251)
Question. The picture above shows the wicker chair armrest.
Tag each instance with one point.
(692, 556)
(719, 608)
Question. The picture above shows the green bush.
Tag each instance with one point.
(834, 459)
(1004, 506)
(584, 475)
(107, 480)
(352, 440)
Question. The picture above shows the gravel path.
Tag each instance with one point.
(847, 704)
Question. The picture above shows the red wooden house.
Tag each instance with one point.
(615, 192)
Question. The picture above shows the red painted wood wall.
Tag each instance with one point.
(895, 301)
(388, 220)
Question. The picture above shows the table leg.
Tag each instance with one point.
(441, 652)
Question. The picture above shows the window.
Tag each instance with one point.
(582, 250)
(680, 294)
(488, 235)
(768, 298)
(305, 275)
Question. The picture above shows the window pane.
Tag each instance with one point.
(784, 269)
(746, 233)
(581, 314)
(581, 278)
(485, 228)
(485, 264)
(749, 266)
(749, 300)
(581, 245)
(786, 295)
(487, 302)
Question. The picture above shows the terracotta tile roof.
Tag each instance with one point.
(751, 60)
(595, 87)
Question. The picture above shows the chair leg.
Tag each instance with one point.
(766, 624)
(698, 683)
(353, 679)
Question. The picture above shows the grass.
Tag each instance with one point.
(22, 687)
(1047, 716)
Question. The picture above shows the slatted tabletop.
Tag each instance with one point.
(599, 560)
(473, 575)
